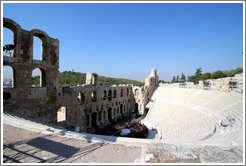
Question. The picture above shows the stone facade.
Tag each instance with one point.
(25, 99)
(82, 107)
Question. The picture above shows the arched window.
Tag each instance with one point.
(8, 77)
(61, 114)
(115, 94)
(94, 96)
(136, 91)
(109, 95)
(81, 97)
(127, 92)
(8, 40)
(121, 93)
(37, 48)
(104, 95)
(38, 78)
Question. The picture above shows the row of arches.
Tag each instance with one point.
(38, 46)
(94, 118)
(9, 77)
(106, 95)
(11, 35)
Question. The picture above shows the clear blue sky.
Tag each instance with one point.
(127, 40)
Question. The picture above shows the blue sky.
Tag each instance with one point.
(127, 40)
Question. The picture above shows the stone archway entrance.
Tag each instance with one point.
(109, 114)
(136, 107)
(121, 109)
(94, 119)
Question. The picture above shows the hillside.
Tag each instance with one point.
(70, 78)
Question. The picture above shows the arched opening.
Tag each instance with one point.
(37, 48)
(115, 94)
(61, 114)
(121, 93)
(109, 114)
(121, 109)
(8, 77)
(38, 78)
(136, 107)
(127, 92)
(104, 95)
(94, 96)
(136, 92)
(94, 119)
(8, 42)
(81, 97)
(109, 95)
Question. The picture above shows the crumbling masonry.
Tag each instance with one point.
(84, 107)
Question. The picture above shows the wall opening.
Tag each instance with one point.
(61, 114)
(37, 48)
(109, 95)
(104, 95)
(8, 42)
(94, 96)
(81, 97)
(38, 78)
(94, 119)
(121, 93)
(110, 114)
(233, 85)
(115, 94)
(8, 77)
(136, 107)
(121, 109)
(127, 92)
(136, 92)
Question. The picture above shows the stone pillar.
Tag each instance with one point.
(91, 78)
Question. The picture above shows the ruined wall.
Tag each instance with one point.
(227, 84)
(91, 105)
(142, 94)
(86, 107)
(25, 99)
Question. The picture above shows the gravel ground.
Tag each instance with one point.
(20, 145)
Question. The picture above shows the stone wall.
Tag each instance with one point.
(91, 105)
(22, 97)
(82, 107)
(228, 84)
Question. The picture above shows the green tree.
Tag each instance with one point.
(177, 79)
(182, 79)
(198, 72)
(217, 74)
(173, 80)
(205, 76)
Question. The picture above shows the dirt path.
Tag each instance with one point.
(20, 145)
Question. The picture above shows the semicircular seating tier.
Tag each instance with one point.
(195, 116)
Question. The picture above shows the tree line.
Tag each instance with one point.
(71, 78)
(204, 76)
